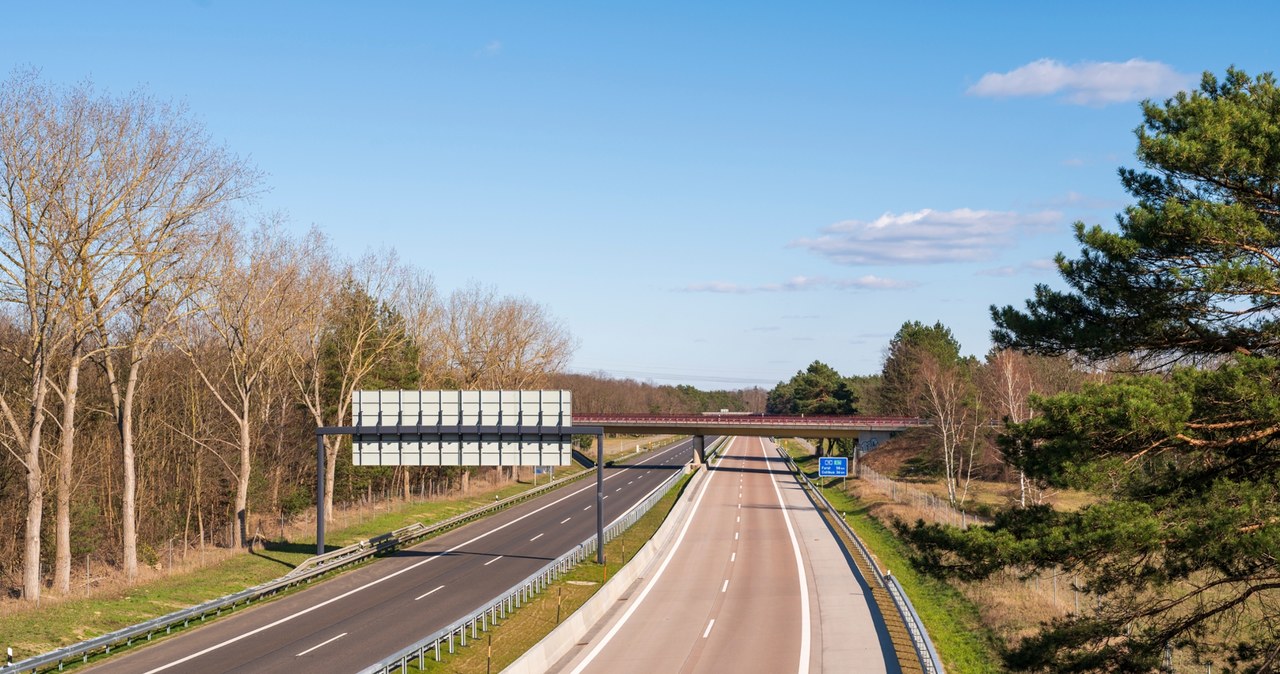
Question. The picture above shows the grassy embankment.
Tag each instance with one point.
(954, 623)
(60, 621)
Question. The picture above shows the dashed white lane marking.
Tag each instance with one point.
(708, 631)
(320, 644)
(382, 579)
(735, 535)
(494, 560)
(618, 489)
(565, 520)
(537, 537)
(427, 593)
(635, 603)
(725, 587)
(733, 557)
(739, 519)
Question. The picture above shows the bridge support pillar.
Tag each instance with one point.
(699, 450)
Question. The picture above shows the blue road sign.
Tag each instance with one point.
(833, 466)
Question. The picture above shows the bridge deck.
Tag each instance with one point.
(752, 425)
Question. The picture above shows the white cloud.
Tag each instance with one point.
(492, 48)
(1034, 266)
(718, 287)
(870, 282)
(926, 236)
(998, 271)
(799, 283)
(1086, 83)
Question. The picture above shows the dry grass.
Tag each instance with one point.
(1012, 606)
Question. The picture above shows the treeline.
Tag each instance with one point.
(966, 399)
(600, 393)
(165, 359)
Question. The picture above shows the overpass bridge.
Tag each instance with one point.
(869, 431)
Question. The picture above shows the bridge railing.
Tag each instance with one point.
(930, 662)
(750, 420)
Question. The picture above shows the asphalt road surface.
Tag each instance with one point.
(355, 619)
(754, 582)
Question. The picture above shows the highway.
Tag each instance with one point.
(754, 582)
(351, 621)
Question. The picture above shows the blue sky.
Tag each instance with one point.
(713, 193)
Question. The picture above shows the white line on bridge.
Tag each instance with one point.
(320, 644)
(423, 595)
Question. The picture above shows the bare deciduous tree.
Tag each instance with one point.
(490, 342)
(949, 400)
(360, 319)
(246, 317)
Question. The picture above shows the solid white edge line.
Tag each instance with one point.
(591, 655)
(428, 593)
(805, 628)
(389, 576)
(320, 644)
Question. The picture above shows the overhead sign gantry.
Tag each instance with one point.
(461, 428)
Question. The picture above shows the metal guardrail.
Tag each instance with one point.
(303, 573)
(491, 612)
(920, 641)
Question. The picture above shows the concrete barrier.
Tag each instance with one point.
(571, 631)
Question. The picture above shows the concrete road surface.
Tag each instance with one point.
(754, 582)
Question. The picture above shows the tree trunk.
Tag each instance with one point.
(330, 473)
(31, 584)
(66, 459)
(128, 499)
(240, 529)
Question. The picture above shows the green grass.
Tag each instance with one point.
(963, 642)
(510, 639)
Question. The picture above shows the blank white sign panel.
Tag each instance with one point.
(441, 410)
